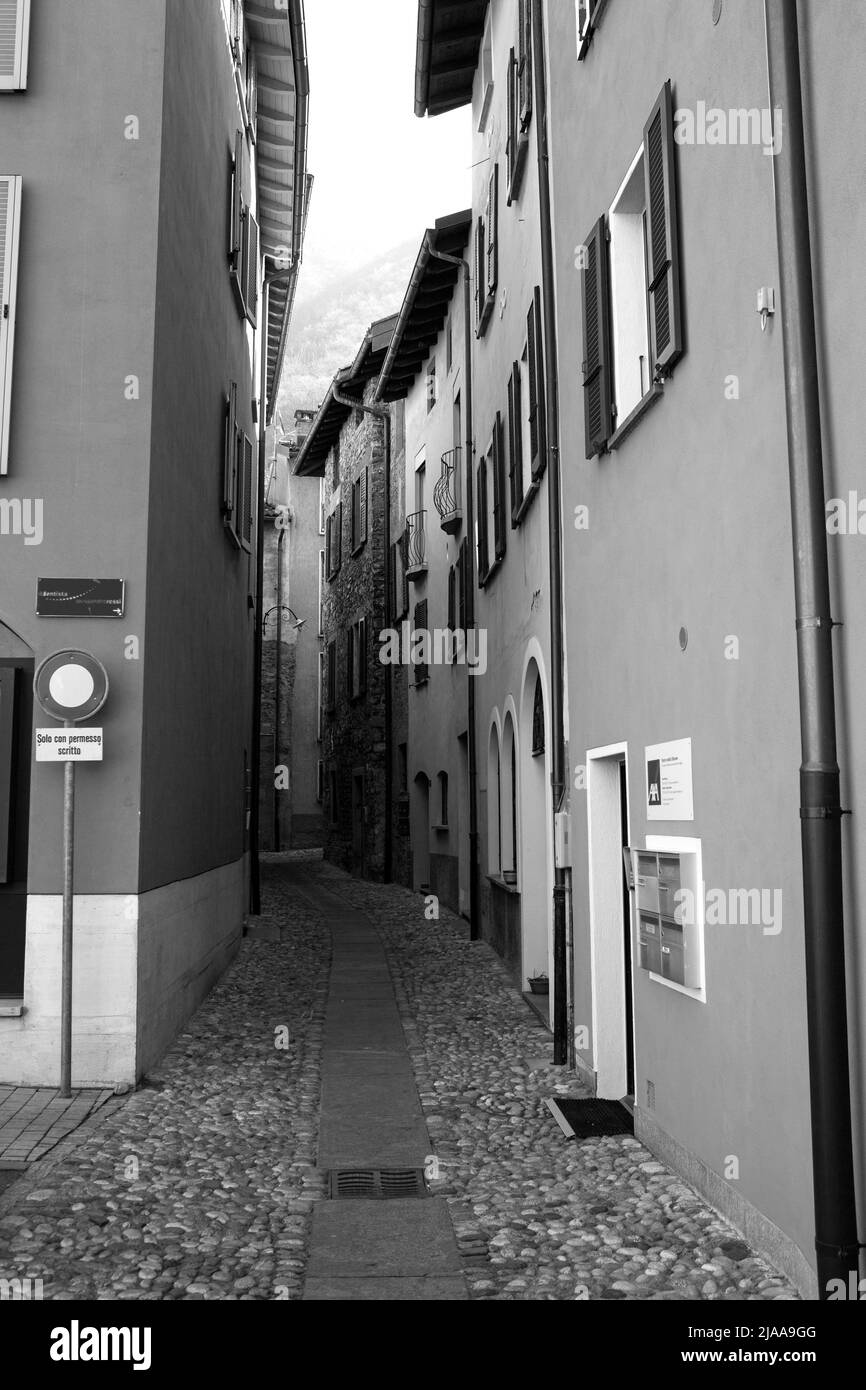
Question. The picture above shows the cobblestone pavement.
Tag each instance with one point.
(201, 1183)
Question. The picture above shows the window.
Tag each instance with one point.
(10, 220)
(443, 798)
(359, 510)
(403, 767)
(322, 692)
(491, 505)
(397, 582)
(322, 506)
(230, 465)
(431, 384)
(331, 683)
(538, 720)
(14, 44)
(465, 606)
(632, 317)
(452, 598)
(527, 434)
(486, 89)
(588, 13)
(494, 810)
(252, 93)
(250, 262)
(420, 482)
(356, 663)
(334, 541)
(422, 669)
(519, 101)
(244, 505)
(321, 607)
(236, 221)
(487, 255)
(524, 63)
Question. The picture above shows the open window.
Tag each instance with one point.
(486, 66)
(588, 14)
(14, 44)
(487, 255)
(632, 317)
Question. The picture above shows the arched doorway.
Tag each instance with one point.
(420, 814)
(16, 737)
(536, 838)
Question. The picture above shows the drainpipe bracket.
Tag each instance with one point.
(847, 1253)
(822, 812)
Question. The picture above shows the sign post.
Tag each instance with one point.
(69, 686)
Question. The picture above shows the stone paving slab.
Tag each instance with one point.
(429, 1289)
(33, 1121)
(406, 1237)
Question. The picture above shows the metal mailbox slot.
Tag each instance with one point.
(669, 944)
(650, 943)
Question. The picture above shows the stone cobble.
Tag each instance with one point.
(201, 1185)
(536, 1216)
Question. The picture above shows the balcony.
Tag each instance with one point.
(446, 493)
(415, 556)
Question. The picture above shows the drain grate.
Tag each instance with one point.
(591, 1119)
(377, 1183)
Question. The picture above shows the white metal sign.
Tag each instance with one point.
(669, 794)
(69, 745)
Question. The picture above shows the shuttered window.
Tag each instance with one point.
(331, 687)
(361, 647)
(452, 598)
(422, 669)
(597, 393)
(537, 407)
(467, 605)
(251, 267)
(244, 506)
(492, 222)
(236, 220)
(359, 509)
(499, 527)
(480, 295)
(10, 222)
(515, 444)
(321, 605)
(481, 521)
(230, 464)
(350, 662)
(14, 44)
(663, 270)
(524, 59)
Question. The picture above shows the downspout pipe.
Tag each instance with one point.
(383, 413)
(836, 1239)
(474, 914)
(563, 1034)
(278, 678)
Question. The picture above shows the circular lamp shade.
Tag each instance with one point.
(71, 686)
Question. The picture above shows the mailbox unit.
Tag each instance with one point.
(668, 936)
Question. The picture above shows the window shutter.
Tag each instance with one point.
(481, 520)
(452, 598)
(350, 661)
(332, 674)
(515, 443)
(14, 44)
(235, 247)
(363, 486)
(499, 531)
(391, 615)
(403, 575)
(480, 241)
(244, 515)
(597, 398)
(460, 583)
(251, 267)
(467, 606)
(662, 241)
(538, 402)
(353, 522)
(422, 670)
(525, 63)
(252, 93)
(511, 144)
(493, 232)
(10, 221)
(362, 657)
(329, 563)
(230, 457)
(321, 605)
(338, 525)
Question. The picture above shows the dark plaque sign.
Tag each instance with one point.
(80, 598)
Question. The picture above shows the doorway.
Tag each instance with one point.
(420, 812)
(610, 923)
(16, 732)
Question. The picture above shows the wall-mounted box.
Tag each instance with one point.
(669, 925)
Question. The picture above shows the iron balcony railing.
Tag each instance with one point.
(415, 542)
(446, 493)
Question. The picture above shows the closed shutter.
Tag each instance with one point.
(467, 594)
(353, 520)
(8, 690)
(499, 528)
(479, 271)
(597, 398)
(512, 93)
(252, 93)
(332, 674)
(404, 578)
(362, 657)
(481, 521)
(538, 416)
(452, 598)
(236, 229)
(525, 71)
(338, 528)
(363, 487)
(662, 241)
(247, 530)
(230, 459)
(422, 670)
(321, 606)
(492, 251)
(251, 267)
(350, 661)
(329, 562)
(14, 44)
(10, 221)
(515, 443)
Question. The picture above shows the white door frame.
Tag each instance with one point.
(607, 956)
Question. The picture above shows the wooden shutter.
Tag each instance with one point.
(251, 267)
(452, 598)
(515, 443)
(492, 250)
(236, 229)
(597, 396)
(338, 526)
(321, 605)
(14, 44)
(480, 242)
(10, 222)
(499, 529)
(481, 520)
(8, 692)
(525, 70)
(422, 669)
(404, 578)
(329, 563)
(511, 144)
(245, 497)
(350, 661)
(230, 458)
(332, 674)
(467, 595)
(663, 260)
(362, 657)
(363, 489)
(537, 403)
(353, 520)
(252, 93)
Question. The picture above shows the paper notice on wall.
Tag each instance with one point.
(669, 794)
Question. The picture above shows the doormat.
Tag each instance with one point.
(591, 1119)
(377, 1184)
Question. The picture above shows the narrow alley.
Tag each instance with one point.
(353, 1035)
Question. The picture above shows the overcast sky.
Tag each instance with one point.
(381, 174)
